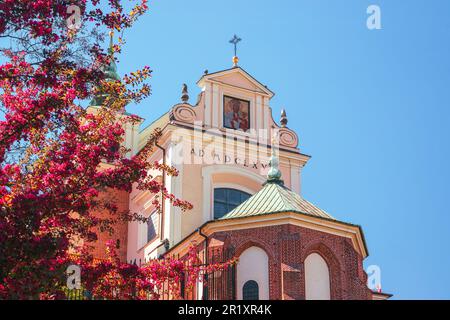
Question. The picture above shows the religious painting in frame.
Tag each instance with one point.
(236, 113)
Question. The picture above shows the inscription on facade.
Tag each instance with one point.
(219, 158)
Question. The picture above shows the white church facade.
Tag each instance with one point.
(241, 171)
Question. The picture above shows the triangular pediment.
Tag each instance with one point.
(237, 77)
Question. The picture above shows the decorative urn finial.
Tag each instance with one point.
(184, 93)
(283, 119)
(274, 174)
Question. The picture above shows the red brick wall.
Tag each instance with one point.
(121, 199)
(288, 246)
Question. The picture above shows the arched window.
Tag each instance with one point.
(317, 278)
(252, 274)
(250, 291)
(226, 199)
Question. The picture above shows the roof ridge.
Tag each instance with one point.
(284, 197)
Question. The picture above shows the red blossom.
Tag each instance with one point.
(51, 149)
(112, 279)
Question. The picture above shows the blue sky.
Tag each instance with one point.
(371, 107)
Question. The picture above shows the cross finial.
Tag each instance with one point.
(235, 41)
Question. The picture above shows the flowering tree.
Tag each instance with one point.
(159, 278)
(51, 147)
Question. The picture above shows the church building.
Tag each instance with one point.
(241, 170)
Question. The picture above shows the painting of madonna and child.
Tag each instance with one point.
(236, 113)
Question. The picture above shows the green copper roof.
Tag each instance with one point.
(275, 198)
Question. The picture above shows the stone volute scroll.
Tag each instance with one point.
(287, 137)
